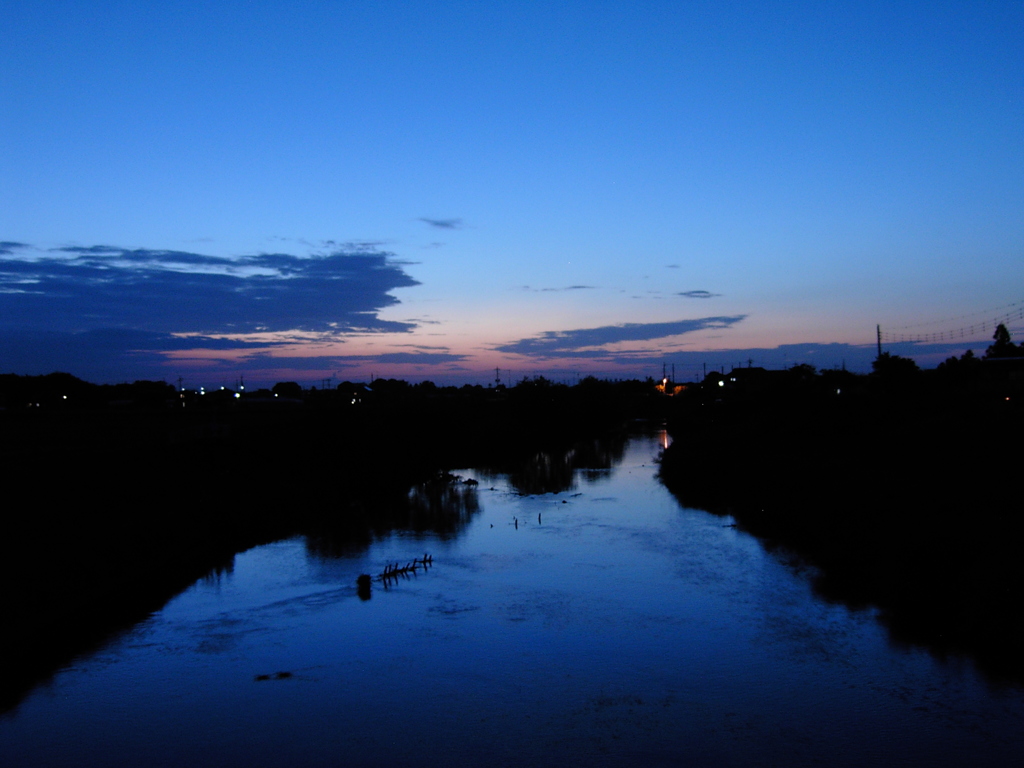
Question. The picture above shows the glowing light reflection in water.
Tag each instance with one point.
(602, 624)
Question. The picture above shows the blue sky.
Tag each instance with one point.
(433, 190)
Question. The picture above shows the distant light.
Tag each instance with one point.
(275, 394)
(721, 382)
(222, 387)
(236, 394)
(66, 397)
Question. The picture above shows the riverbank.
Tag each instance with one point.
(128, 507)
(909, 506)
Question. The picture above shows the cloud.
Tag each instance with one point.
(109, 313)
(424, 347)
(112, 354)
(264, 361)
(698, 294)
(8, 247)
(267, 361)
(575, 342)
(80, 288)
(419, 358)
(443, 223)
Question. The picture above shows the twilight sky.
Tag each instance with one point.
(294, 191)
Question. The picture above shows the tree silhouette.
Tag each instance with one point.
(887, 365)
(287, 389)
(1003, 346)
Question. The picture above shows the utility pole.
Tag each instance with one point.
(878, 334)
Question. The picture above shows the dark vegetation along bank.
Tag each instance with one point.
(120, 497)
(902, 488)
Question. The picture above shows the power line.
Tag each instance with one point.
(966, 332)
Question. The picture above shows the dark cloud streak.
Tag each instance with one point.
(443, 223)
(576, 342)
(112, 354)
(8, 247)
(266, 361)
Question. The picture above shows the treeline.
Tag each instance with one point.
(67, 392)
(62, 390)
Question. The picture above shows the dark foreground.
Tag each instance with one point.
(601, 624)
(901, 497)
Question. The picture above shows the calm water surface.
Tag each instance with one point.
(603, 625)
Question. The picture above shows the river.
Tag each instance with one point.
(602, 624)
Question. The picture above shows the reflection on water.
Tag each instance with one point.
(442, 507)
(556, 471)
(600, 623)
